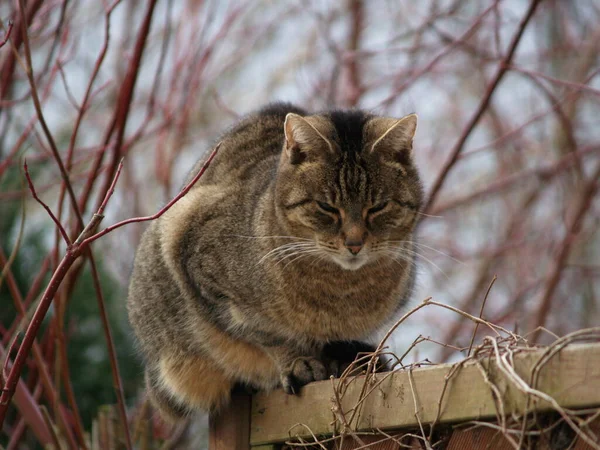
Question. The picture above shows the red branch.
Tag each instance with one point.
(7, 34)
(46, 207)
(355, 89)
(445, 52)
(8, 67)
(20, 305)
(502, 69)
(126, 93)
(38, 109)
(9, 352)
(111, 189)
(73, 253)
(542, 173)
(573, 228)
(566, 83)
(162, 211)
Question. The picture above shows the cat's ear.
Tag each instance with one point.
(394, 137)
(302, 135)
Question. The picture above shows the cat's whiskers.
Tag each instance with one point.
(285, 248)
(283, 258)
(330, 247)
(398, 257)
(319, 259)
(301, 255)
(291, 246)
(268, 237)
(429, 215)
(419, 244)
(399, 250)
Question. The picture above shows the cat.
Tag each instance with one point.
(298, 235)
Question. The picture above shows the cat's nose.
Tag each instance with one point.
(353, 246)
(354, 238)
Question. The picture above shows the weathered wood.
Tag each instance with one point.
(572, 378)
(378, 443)
(580, 444)
(231, 428)
(478, 439)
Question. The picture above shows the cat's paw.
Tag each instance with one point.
(303, 370)
(339, 355)
(336, 367)
(242, 388)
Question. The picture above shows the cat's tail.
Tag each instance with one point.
(165, 404)
(181, 385)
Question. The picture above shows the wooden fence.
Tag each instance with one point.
(471, 405)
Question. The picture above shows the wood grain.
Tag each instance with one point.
(572, 377)
(231, 428)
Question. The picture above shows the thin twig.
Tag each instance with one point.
(38, 108)
(17, 245)
(573, 228)
(481, 314)
(416, 404)
(51, 427)
(63, 233)
(566, 83)
(474, 120)
(72, 254)
(184, 191)
(7, 33)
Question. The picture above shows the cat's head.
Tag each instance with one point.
(347, 183)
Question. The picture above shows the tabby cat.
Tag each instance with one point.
(298, 235)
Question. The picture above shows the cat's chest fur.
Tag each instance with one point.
(332, 305)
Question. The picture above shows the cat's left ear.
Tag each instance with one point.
(392, 136)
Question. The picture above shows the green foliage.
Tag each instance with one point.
(86, 345)
(88, 353)
(31, 251)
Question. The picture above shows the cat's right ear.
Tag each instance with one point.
(301, 136)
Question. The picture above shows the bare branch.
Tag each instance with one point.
(7, 33)
(501, 71)
(46, 207)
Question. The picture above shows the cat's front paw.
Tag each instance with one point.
(302, 371)
(339, 355)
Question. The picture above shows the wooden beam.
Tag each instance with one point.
(230, 429)
(571, 377)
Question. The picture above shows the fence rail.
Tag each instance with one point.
(547, 380)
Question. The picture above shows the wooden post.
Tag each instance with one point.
(230, 429)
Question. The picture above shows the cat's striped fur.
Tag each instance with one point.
(299, 234)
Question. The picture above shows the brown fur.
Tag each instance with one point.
(249, 276)
(185, 377)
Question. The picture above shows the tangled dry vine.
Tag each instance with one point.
(494, 353)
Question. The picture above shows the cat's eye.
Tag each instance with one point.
(379, 207)
(328, 208)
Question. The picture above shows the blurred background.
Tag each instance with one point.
(508, 145)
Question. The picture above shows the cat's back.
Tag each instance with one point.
(249, 150)
(203, 228)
